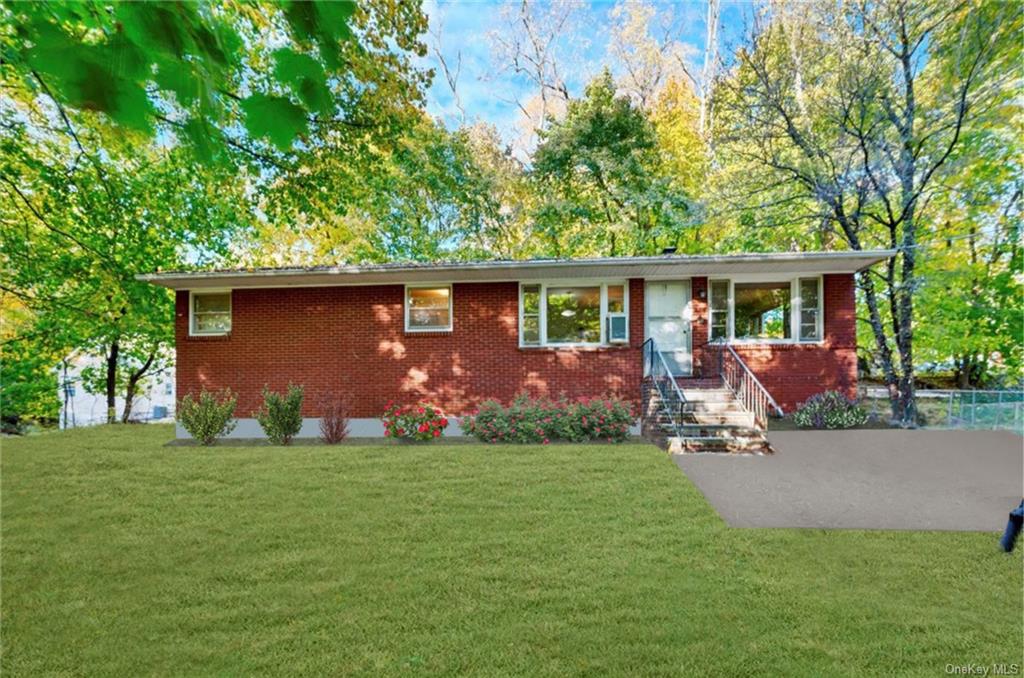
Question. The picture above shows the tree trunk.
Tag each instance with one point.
(111, 386)
(133, 382)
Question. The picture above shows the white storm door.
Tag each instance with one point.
(668, 323)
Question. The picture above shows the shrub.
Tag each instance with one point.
(210, 417)
(414, 422)
(541, 420)
(334, 419)
(280, 417)
(830, 409)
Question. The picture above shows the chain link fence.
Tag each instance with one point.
(968, 409)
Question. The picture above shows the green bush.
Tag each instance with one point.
(280, 417)
(830, 409)
(210, 417)
(541, 420)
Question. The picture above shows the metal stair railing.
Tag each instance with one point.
(656, 368)
(749, 391)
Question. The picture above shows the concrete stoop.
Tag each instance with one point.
(712, 421)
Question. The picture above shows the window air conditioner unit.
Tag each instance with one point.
(617, 329)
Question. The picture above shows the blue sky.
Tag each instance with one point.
(489, 91)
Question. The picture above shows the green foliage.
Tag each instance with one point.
(178, 65)
(28, 376)
(541, 420)
(280, 416)
(28, 386)
(210, 417)
(598, 172)
(861, 126)
(830, 409)
(275, 118)
(421, 422)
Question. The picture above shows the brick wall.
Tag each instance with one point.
(352, 340)
(794, 372)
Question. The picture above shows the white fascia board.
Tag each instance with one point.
(663, 267)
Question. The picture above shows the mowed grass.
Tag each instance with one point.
(121, 556)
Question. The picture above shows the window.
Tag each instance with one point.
(762, 310)
(574, 315)
(617, 325)
(211, 313)
(565, 314)
(810, 309)
(766, 311)
(530, 324)
(719, 309)
(168, 388)
(428, 309)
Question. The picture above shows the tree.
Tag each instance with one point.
(886, 92)
(684, 156)
(601, 168)
(109, 106)
(251, 77)
(503, 224)
(644, 43)
(971, 298)
(76, 229)
(28, 381)
(537, 43)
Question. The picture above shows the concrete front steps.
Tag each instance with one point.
(713, 420)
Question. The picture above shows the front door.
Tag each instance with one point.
(668, 322)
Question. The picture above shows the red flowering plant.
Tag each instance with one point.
(414, 422)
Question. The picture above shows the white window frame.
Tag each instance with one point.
(451, 307)
(796, 306)
(572, 282)
(192, 332)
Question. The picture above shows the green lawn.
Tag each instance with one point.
(121, 556)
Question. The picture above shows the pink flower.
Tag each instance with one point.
(546, 441)
(444, 421)
(437, 433)
(423, 428)
(422, 411)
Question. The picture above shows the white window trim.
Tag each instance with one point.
(543, 311)
(798, 307)
(451, 307)
(192, 308)
(794, 311)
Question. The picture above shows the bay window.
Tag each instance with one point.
(772, 311)
(570, 314)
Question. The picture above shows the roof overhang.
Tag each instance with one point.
(655, 267)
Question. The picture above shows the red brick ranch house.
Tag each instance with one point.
(772, 328)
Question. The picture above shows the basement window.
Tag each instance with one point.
(209, 313)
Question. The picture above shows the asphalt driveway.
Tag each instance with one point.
(868, 479)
